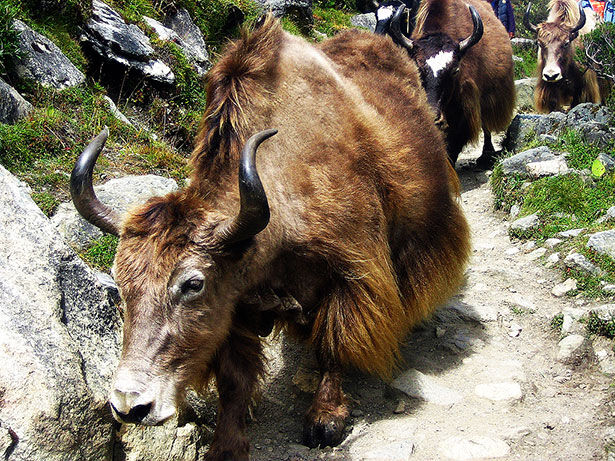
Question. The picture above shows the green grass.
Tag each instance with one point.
(527, 67)
(331, 21)
(596, 325)
(101, 253)
(557, 321)
(9, 37)
(46, 202)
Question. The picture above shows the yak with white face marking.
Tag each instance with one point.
(465, 60)
(351, 210)
(561, 81)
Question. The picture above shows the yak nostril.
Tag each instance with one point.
(135, 415)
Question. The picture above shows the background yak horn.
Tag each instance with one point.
(476, 35)
(253, 214)
(82, 192)
(395, 30)
(582, 18)
(526, 19)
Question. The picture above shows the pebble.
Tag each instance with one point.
(499, 391)
(356, 413)
(400, 408)
(476, 447)
(424, 387)
(569, 347)
(512, 251)
(514, 330)
(579, 262)
(552, 260)
(565, 287)
(536, 254)
(528, 246)
(571, 233)
(552, 242)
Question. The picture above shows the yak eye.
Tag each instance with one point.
(193, 285)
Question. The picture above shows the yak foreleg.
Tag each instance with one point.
(487, 158)
(237, 367)
(326, 419)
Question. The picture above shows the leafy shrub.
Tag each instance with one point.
(599, 55)
(9, 37)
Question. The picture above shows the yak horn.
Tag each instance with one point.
(526, 19)
(82, 192)
(253, 214)
(582, 18)
(395, 29)
(477, 33)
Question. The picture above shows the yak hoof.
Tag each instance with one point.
(486, 160)
(325, 431)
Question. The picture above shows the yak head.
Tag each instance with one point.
(555, 53)
(437, 56)
(180, 267)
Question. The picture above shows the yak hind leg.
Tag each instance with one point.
(326, 419)
(237, 367)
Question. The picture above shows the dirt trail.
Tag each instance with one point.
(496, 331)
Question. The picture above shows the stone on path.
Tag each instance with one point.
(517, 164)
(570, 348)
(603, 243)
(552, 260)
(390, 440)
(571, 233)
(565, 287)
(499, 391)
(475, 447)
(526, 223)
(537, 254)
(552, 242)
(424, 387)
(581, 263)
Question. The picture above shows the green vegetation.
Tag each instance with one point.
(538, 14)
(330, 21)
(46, 202)
(574, 200)
(598, 326)
(101, 252)
(527, 67)
(9, 37)
(557, 321)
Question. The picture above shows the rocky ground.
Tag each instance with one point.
(485, 378)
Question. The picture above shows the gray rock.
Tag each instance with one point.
(59, 339)
(192, 40)
(537, 254)
(167, 442)
(475, 447)
(563, 288)
(552, 260)
(554, 167)
(526, 223)
(517, 58)
(108, 36)
(499, 391)
(521, 130)
(517, 164)
(603, 243)
(547, 138)
(523, 43)
(595, 133)
(13, 107)
(551, 124)
(606, 312)
(587, 112)
(579, 262)
(120, 194)
(609, 289)
(603, 351)
(570, 348)
(607, 161)
(43, 62)
(552, 242)
(299, 11)
(420, 386)
(514, 211)
(571, 233)
(609, 216)
(525, 93)
(390, 440)
(364, 21)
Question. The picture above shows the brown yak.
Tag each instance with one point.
(561, 81)
(351, 209)
(465, 60)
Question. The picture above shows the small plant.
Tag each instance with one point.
(9, 37)
(101, 252)
(557, 321)
(597, 325)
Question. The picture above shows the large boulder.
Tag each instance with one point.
(42, 61)
(13, 107)
(521, 130)
(59, 339)
(120, 194)
(192, 40)
(107, 35)
(299, 11)
(364, 21)
(603, 243)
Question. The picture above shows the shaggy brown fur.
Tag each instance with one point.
(576, 85)
(365, 231)
(485, 97)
